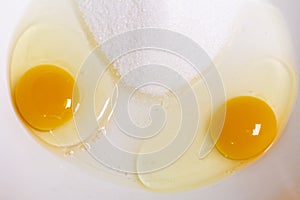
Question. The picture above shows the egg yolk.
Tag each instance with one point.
(249, 128)
(44, 97)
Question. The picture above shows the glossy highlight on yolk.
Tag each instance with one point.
(43, 97)
(249, 128)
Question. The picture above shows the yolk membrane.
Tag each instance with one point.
(249, 128)
(43, 97)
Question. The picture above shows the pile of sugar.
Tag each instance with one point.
(208, 22)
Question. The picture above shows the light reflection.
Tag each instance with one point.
(256, 131)
(68, 104)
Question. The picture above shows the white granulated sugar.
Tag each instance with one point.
(207, 22)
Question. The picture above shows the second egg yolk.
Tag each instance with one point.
(43, 97)
(249, 128)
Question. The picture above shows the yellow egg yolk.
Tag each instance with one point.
(249, 128)
(44, 97)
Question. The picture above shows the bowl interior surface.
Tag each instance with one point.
(29, 171)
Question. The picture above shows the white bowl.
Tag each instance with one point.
(29, 171)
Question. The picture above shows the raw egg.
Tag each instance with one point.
(46, 58)
(260, 86)
(250, 127)
(44, 97)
